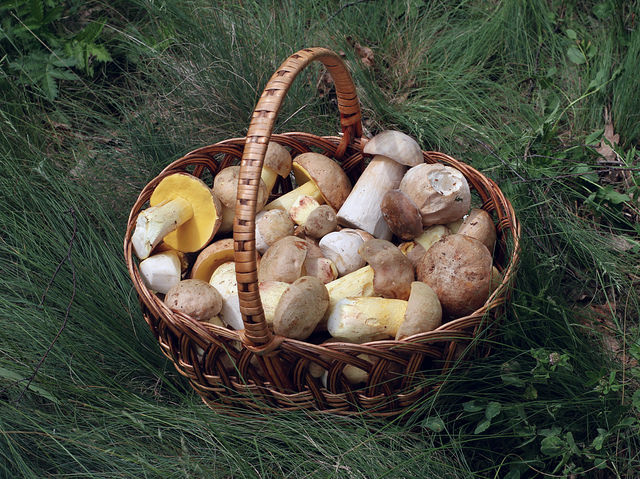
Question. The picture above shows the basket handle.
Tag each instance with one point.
(257, 335)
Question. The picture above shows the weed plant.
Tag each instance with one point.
(517, 89)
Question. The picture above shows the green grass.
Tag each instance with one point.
(490, 83)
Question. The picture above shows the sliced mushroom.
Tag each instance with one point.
(184, 213)
(161, 271)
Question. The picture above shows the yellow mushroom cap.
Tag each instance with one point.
(200, 229)
(211, 257)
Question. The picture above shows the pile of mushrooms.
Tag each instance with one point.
(395, 255)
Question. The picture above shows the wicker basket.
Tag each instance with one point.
(258, 369)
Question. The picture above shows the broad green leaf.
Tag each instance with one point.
(571, 34)
(471, 406)
(612, 196)
(594, 137)
(576, 55)
(493, 409)
(551, 446)
(99, 52)
(482, 426)
(601, 10)
(435, 424)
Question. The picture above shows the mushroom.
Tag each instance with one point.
(356, 284)
(424, 312)
(479, 225)
(441, 193)
(184, 213)
(161, 271)
(416, 249)
(315, 264)
(211, 257)
(195, 298)
(317, 220)
(301, 308)
(272, 226)
(284, 260)
(270, 294)
(363, 319)
(393, 272)
(393, 151)
(341, 247)
(318, 176)
(224, 280)
(458, 268)
(401, 214)
(225, 187)
(277, 162)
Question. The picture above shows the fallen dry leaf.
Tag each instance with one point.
(364, 53)
(607, 152)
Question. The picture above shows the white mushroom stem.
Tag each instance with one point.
(358, 283)
(154, 223)
(270, 294)
(269, 176)
(362, 207)
(286, 201)
(360, 320)
(224, 280)
(161, 271)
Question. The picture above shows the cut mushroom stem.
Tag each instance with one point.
(154, 223)
(286, 201)
(363, 319)
(161, 271)
(358, 283)
(183, 212)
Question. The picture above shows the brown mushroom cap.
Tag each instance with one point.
(321, 222)
(395, 145)
(271, 226)
(401, 214)
(225, 187)
(301, 308)
(329, 177)
(393, 272)
(458, 268)
(284, 260)
(195, 298)
(278, 159)
(479, 225)
(207, 210)
(423, 313)
(440, 192)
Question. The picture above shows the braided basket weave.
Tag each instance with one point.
(259, 369)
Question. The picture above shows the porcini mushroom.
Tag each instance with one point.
(441, 193)
(272, 226)
(424, 312)
(393, 272)
(184, 213)
(161, 271)
(277, 162)
(225, 187)
(301, 307)
(416, 249)
(401, 215)
(211, 257)
(317, 220)
(363, 319)
(284, 260)
(270, 294)
(341, 247)
(458, 268)
(224, 280)
(479, 225)
(319, 177)
(195, 298)
(393, 151)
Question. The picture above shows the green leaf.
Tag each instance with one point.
(571, 34)
(585, 172)
(49, 84)
(551, 446)
(36, 11)
(576, 55)
(493, 409)
(91, 32)
(435, 424)
(601, 10)
(594, 137)
(612, 196)
(471, 406)
(635, 400)
(482, 426)
(99, 52)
